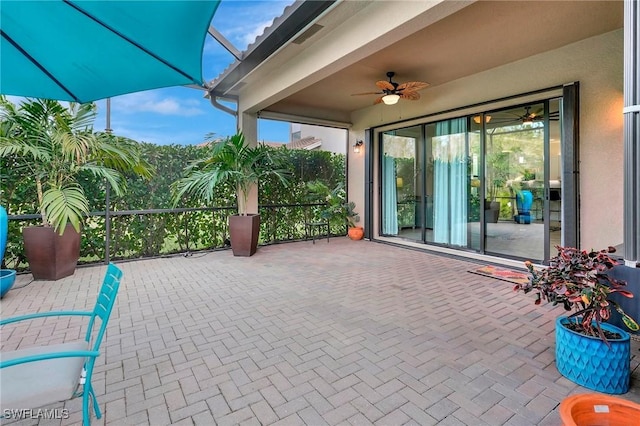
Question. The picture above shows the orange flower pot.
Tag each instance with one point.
(356, 233)
(597, 409)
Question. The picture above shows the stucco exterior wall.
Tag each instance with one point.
(597, 63)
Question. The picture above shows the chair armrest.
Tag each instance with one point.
(42, 357)
(44, 314)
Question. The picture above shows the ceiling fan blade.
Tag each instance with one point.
(367, 93)
(413, 85)
(385, 85)
(410, 95)
(378, 100)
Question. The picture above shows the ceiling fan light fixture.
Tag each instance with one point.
(391, 99)
(476, 119)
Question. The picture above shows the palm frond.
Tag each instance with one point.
(112, 176)
(64, 205)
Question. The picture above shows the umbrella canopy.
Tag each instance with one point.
(78, 50)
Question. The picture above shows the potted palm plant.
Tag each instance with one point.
(232, 161)
(589, 351)
(55, 146)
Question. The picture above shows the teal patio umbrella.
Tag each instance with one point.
(82, 51)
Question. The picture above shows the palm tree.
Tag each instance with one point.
(231, 161)
(54, 144)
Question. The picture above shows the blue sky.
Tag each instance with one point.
(181, 115)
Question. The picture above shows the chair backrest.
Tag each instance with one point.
(104, 304)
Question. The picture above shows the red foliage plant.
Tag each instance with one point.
(578, 280)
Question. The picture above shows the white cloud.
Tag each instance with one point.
(251, 36)
(241, 25)
(153, 102)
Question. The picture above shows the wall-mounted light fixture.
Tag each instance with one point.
(357, 146)
(390, 99)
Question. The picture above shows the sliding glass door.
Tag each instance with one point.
(489, 182)
(402, 183)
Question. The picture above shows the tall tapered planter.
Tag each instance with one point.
(590, 362)
(51, 256)
(244, 232)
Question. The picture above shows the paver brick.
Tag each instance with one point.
(218, 406)
(497, 414)
(417, 414)
(264, 413)
(159, 415)
(188, 411)
(289, 407)
(235, 417)
(301, 334)
(396, 417)
(311, 417)
(245, 400)
(340, 414)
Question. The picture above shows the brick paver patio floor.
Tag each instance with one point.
(329, 333)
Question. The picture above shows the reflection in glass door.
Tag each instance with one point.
(517, 185)
(402, 184)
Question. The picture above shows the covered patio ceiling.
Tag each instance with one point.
(479, 36)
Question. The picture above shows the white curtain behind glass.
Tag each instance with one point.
(389, 196)
(450, 183)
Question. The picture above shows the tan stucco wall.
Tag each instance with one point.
(597, 64)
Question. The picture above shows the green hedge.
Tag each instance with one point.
(145, 235)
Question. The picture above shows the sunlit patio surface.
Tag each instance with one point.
(328, 333)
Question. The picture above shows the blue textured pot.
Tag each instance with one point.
(7, 279)
(4, 231)
(589, 362)
(524, 201)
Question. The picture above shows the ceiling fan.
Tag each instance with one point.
(527, 117)
(392, 92)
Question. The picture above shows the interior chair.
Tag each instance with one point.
(39, 376)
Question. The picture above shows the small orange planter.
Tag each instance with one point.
(356, 233)
(597, 409)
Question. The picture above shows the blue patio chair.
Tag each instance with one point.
(43, 375)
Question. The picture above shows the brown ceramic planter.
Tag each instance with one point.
(356, 233)
(598, 409)
(244, 232)
(51, 256)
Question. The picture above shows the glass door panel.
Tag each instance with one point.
(402, 185)
(448, 183)
(475, 167)
(515, 183)
(555, 176)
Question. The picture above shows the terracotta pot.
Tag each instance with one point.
(51, 256)
(244, 232)
(356, 233)
(597, 409)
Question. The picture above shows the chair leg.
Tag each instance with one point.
(86, 415)
(96, 406)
